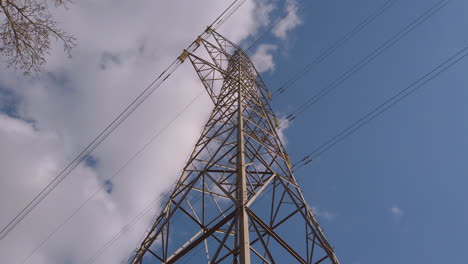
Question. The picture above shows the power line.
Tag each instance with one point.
(369, 58)
(392, 101)
(388, 103)
(125, 229)
(128, 161)
(218, 19)
(399, 96)
(129, 225)
(113, 240)
(112, 126)
(134, 221)
(365, 22)
(87, 150)
(330, 50)
(386, 5)
(225, 15)
(102, 186)
(448, 63)
(127, 258)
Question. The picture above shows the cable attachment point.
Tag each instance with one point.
(198, 40)
(288, 160)
(183, 56)
(277, 124)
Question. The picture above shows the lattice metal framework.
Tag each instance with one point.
(237, 200)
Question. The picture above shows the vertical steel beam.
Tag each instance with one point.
(244, 241)
(240, 155)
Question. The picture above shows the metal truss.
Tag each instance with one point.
(237, 200)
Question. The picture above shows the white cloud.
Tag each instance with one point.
(263, 58)
(291, 21)
(122, 46)
(396, 211)
(327, 215)
(15, 127)
(263, 12)
(284, 124)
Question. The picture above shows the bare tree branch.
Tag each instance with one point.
(26, 29)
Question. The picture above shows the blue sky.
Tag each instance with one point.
(393, 192)
(396, 189)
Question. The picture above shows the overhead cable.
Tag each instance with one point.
(365, 61)
(114, 124)
(377, 111)
(330, 50)
(156, 135)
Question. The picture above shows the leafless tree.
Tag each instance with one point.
(27, 29)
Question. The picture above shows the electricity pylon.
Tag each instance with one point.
(237, 200)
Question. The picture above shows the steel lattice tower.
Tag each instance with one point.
(237, 200)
